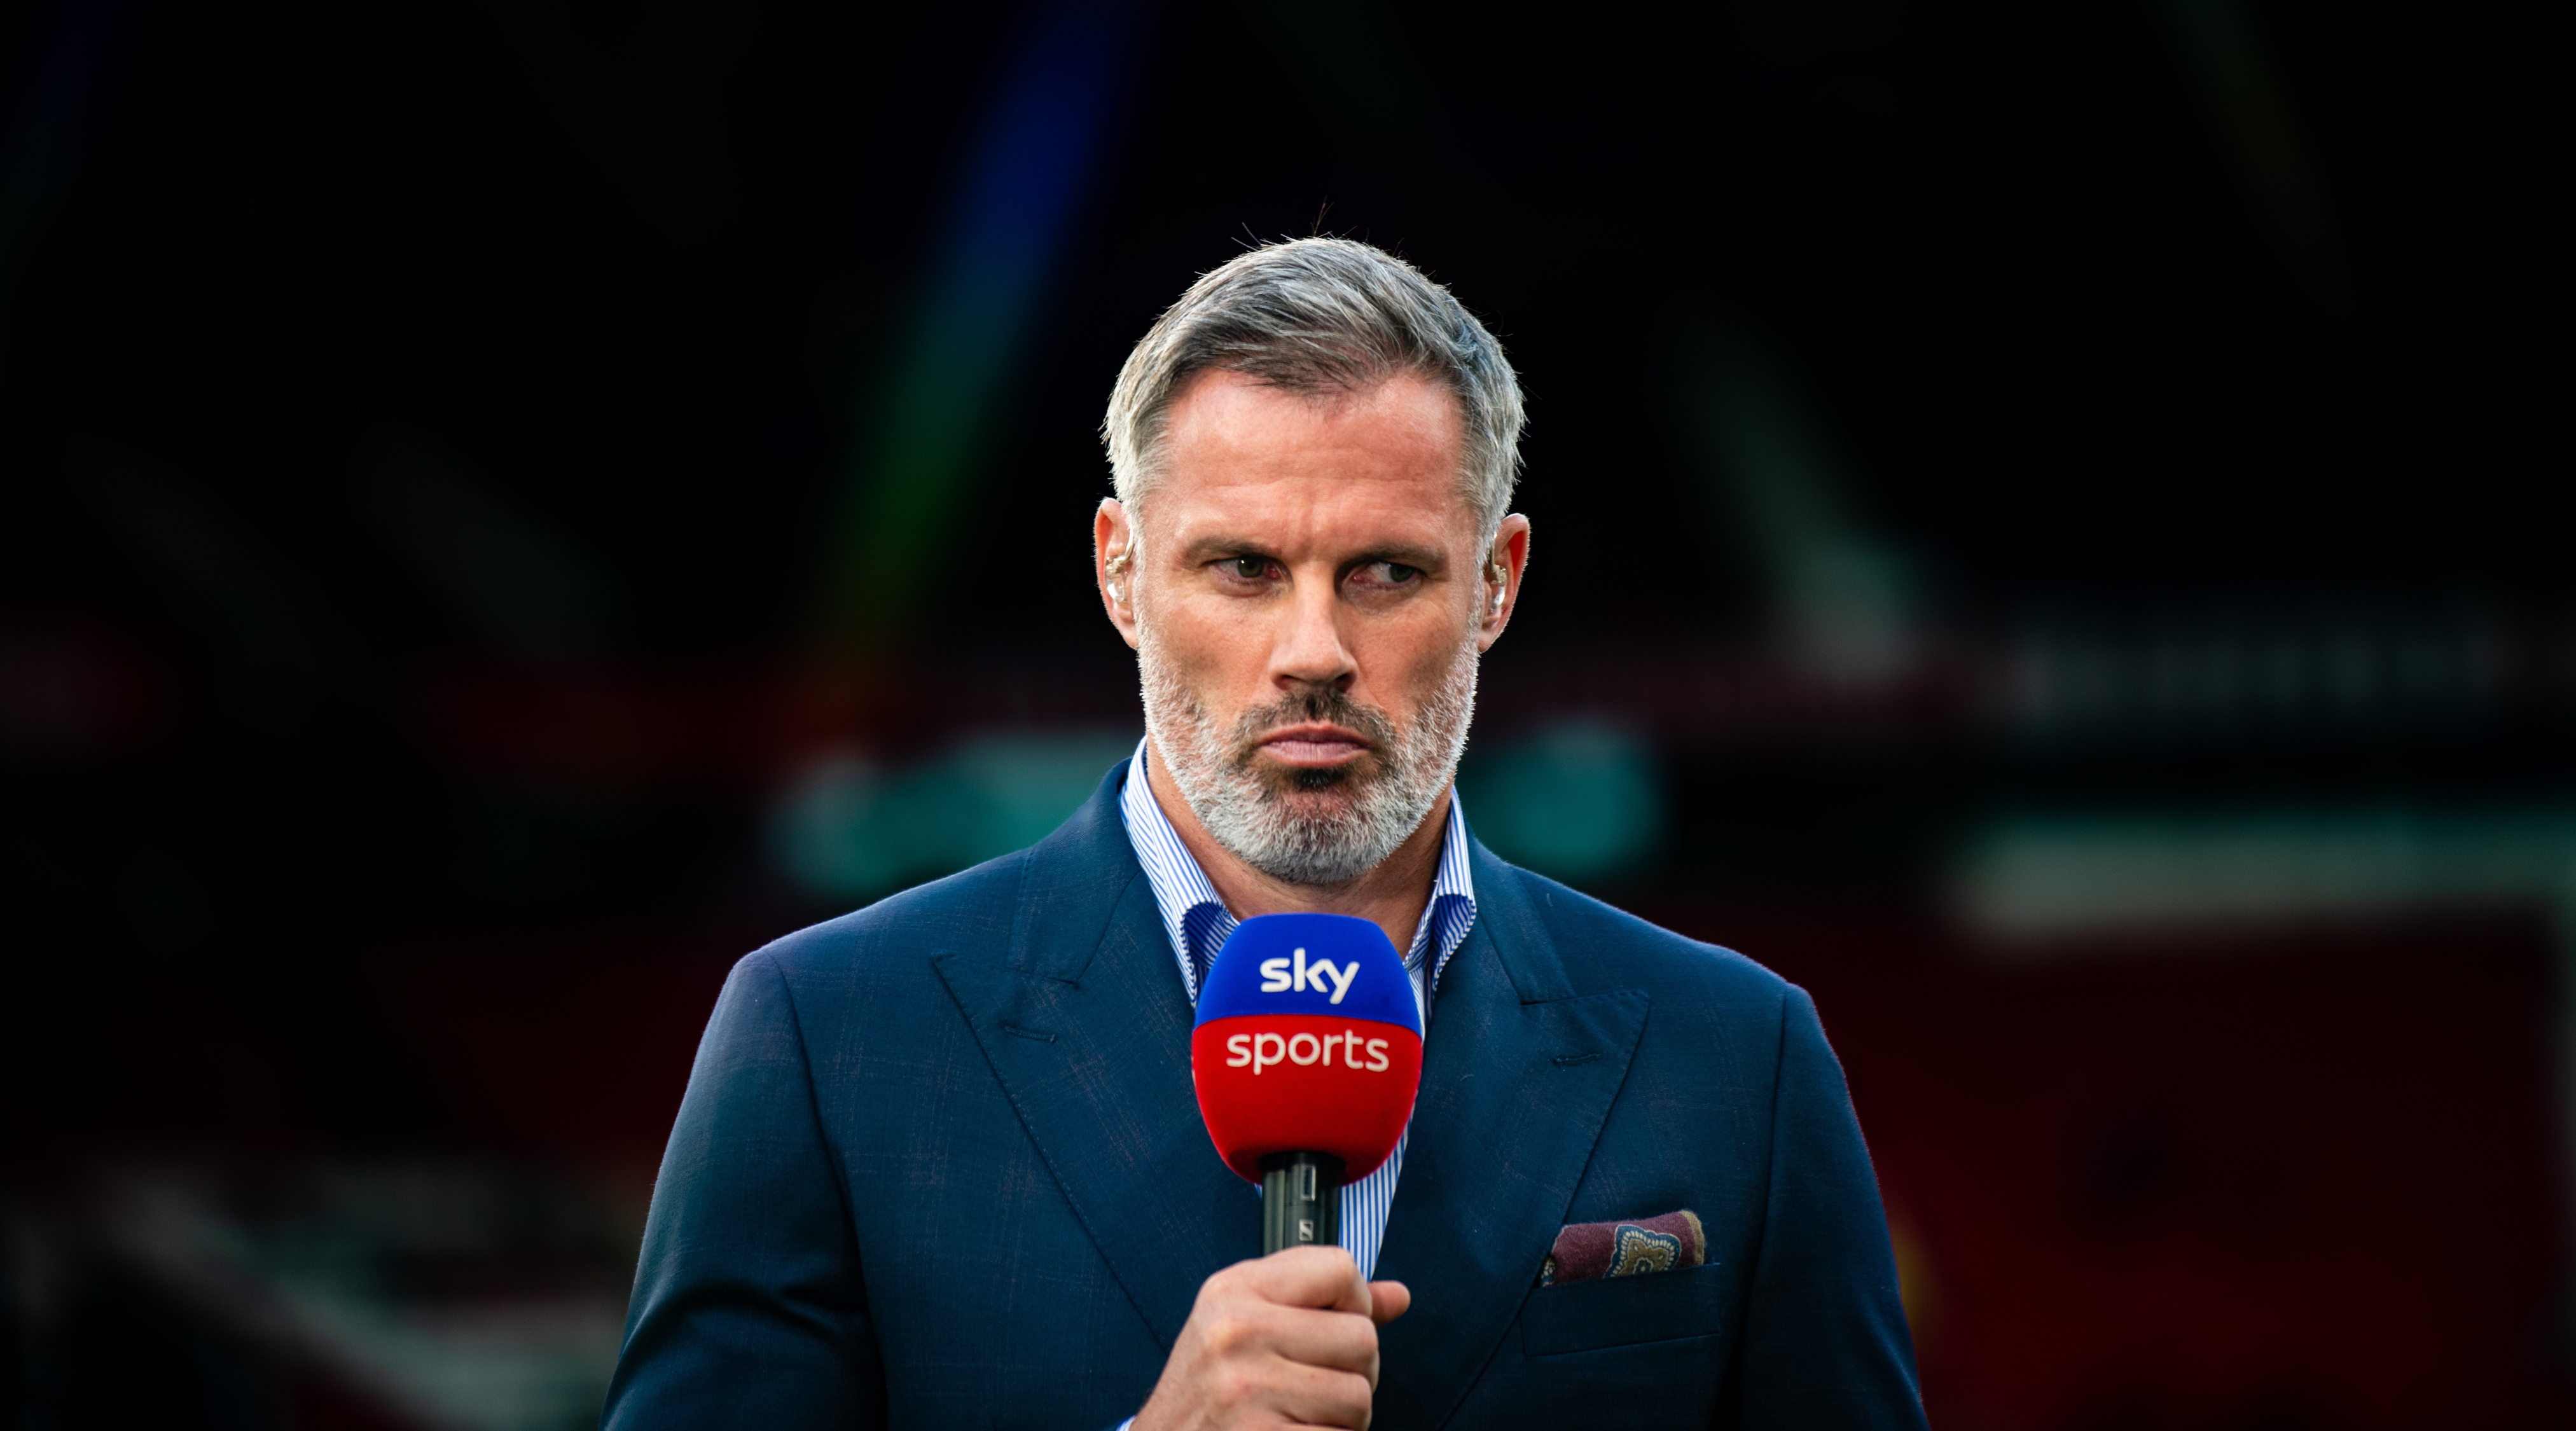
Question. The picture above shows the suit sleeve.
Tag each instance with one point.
(748, 1309)
(1825, 1342)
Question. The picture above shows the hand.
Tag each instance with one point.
(1284, 1340)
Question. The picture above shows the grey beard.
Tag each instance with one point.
(1308, 827)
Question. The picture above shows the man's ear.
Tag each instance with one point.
(1500, 585)
(1113, 561)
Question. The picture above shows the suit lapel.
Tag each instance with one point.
(1517, 1080)
(1088, 1030)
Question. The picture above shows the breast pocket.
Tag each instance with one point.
(1625, 1311)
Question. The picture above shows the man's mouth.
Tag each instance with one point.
(1313, 745)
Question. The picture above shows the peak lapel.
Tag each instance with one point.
(1088, 1030)
(1518, 1078)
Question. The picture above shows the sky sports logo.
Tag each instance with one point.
(1261, 1050)
(1295, 975)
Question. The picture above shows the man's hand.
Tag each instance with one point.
(1288, 1339)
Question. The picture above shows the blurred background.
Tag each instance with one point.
(2047, 534)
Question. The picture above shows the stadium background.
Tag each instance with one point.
(2045, 534)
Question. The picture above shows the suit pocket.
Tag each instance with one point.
(1623, 1311)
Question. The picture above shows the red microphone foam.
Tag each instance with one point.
(1308, 1040)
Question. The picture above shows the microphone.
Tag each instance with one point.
(1307, 1056)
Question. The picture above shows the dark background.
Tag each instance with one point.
(2045, 533)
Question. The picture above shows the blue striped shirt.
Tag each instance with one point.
(1199, 922)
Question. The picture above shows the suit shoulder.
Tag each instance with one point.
(971, 909)
(1605, 947)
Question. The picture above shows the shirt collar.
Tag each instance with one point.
(1198, 921)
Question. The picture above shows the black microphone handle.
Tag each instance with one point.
(1301, 1200)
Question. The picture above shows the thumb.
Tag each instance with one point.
(1388, 1301)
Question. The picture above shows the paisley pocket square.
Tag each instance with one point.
(1629, 1247)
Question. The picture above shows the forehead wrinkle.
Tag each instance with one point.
(1242, 419)
(1305, 467)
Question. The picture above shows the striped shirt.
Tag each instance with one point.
(1199, 923)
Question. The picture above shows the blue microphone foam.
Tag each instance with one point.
(1328, 964)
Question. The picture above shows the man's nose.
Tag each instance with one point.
(1310, 651)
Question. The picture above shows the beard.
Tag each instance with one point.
(1299, 825)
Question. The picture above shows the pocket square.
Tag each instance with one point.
(1629, 1247)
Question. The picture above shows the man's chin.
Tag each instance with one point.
(1281, 779)
(1331, 803)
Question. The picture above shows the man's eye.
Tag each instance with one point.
(1249, 568)
(1393, 573)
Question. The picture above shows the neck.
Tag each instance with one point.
(1391, 896)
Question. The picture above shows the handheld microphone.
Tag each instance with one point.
(1307, 1056)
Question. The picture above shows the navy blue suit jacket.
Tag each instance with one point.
(940, 1164)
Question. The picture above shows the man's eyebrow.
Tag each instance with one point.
(1406, 554)
(1207, 549)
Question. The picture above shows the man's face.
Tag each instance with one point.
(1308, 600)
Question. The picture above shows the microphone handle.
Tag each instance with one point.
(1301, 1200)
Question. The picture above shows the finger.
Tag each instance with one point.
(1335, 1341)
(1317, 1396)
(1308, 1277)
(1388, 1301)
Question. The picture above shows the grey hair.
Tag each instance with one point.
(1314, 316)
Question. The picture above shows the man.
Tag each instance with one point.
(940, 1163)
